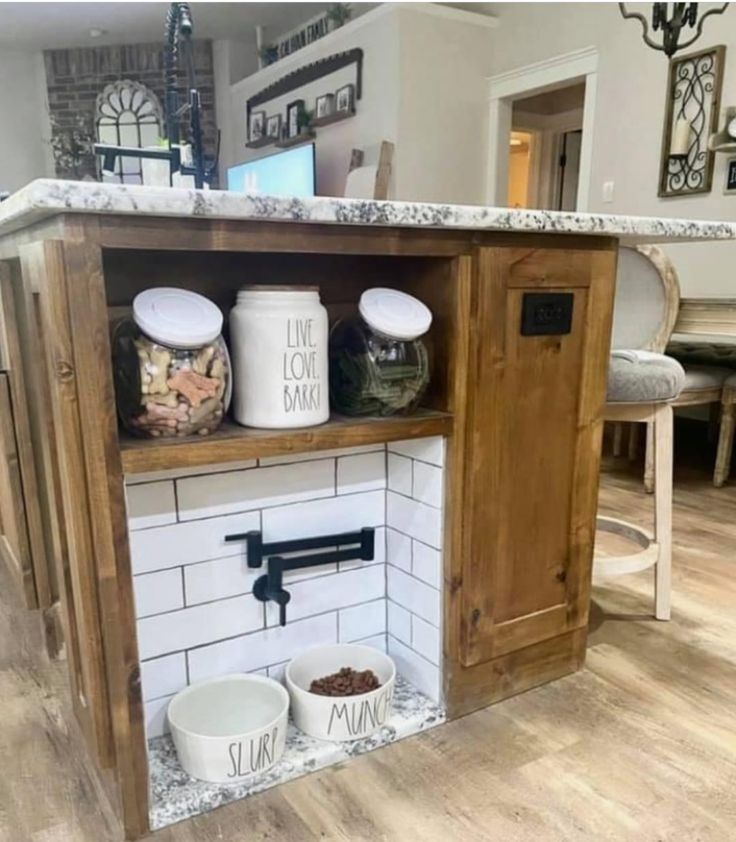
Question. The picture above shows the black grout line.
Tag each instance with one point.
(416, 578)
(260, 509)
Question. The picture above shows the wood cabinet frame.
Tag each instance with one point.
(473, 290)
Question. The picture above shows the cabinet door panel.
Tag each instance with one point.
(534, 434)
(15, 550)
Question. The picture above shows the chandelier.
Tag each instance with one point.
(671, 19)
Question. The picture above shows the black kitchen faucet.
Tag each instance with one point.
(179, 29)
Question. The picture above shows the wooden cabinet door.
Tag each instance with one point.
(533, 435)
(15, 549)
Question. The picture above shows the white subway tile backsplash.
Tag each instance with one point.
(319, 517)
(400, 474)
(415, 519)
(155, 717)
(365, 472)
(398, 549)
(362, 621)
(264, 648)
(428, 450)
(414, 595)
(416, 669)
(153, 504)
(428, 481)
(317, 596)
(277, 672)
(198, 617)
(158, 592)
(377, 641)
(320, 454)
(399, 622)
(239, 491)
(425, 639)
(176, 473)
(201, 624)
(187, 543)
(163, 676)
(218, 579)
(427, 564)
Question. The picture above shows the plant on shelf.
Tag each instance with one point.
(72, 147)
(339, 14)
(304, 119)
(269, 54)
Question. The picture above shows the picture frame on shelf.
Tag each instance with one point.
(293, 110)
(273, 126)
(325, 105)
(345, 98)
(730, 189)
(256, 126)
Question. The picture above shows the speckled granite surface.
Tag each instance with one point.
(47, 197)
(175, 796)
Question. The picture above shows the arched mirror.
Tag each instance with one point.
(128, 114)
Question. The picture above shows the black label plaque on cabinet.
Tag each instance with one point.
(546, 313)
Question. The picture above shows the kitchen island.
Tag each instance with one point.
(493, 569)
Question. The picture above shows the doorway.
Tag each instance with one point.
(541, 120)
(544, 149)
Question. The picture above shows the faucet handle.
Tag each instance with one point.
(282, 598)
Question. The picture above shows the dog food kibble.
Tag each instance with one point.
(346, 682)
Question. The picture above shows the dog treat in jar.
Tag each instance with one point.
(171, 365)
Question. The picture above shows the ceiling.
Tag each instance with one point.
(34, 26)
(553, 102)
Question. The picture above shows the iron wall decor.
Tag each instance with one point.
(730, 177)
(671, 23)
(693, 102)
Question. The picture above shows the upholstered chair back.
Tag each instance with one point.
(647, 300)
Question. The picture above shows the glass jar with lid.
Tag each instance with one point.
(378, 363)
(171, 365)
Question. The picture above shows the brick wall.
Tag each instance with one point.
(75, 77)
(197, 617)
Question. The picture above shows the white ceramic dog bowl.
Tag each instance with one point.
(229, 728)
(340, 717)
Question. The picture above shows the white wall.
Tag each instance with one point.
(376, 119)
(442, 116)
(24, 127)
(630, 110)
(424, 75)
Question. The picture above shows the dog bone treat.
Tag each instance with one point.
(195, 387)
(345, 682)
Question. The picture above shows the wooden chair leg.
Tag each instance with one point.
(662, 449)
(618, 437)
(649, 460)
(725, 442)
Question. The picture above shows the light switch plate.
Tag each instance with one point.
(607, 191)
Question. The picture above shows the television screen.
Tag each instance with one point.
(287, 173)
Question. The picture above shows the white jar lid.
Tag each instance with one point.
(177, 317)
(395, 314)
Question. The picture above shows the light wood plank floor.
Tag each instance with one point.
(640, 745)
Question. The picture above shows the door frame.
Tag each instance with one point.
(505, 88)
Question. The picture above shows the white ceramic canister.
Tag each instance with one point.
(278, 338)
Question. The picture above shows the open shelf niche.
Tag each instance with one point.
(341, 279)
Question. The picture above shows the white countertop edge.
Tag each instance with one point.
(47, 197)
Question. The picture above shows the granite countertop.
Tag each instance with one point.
(47, 197)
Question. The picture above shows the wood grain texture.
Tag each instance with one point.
(45, 263)
(530, 485)
(638, 744)
(707, 317)
(15, 549)
(106, 495)
(233, 443)
(39, 587)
